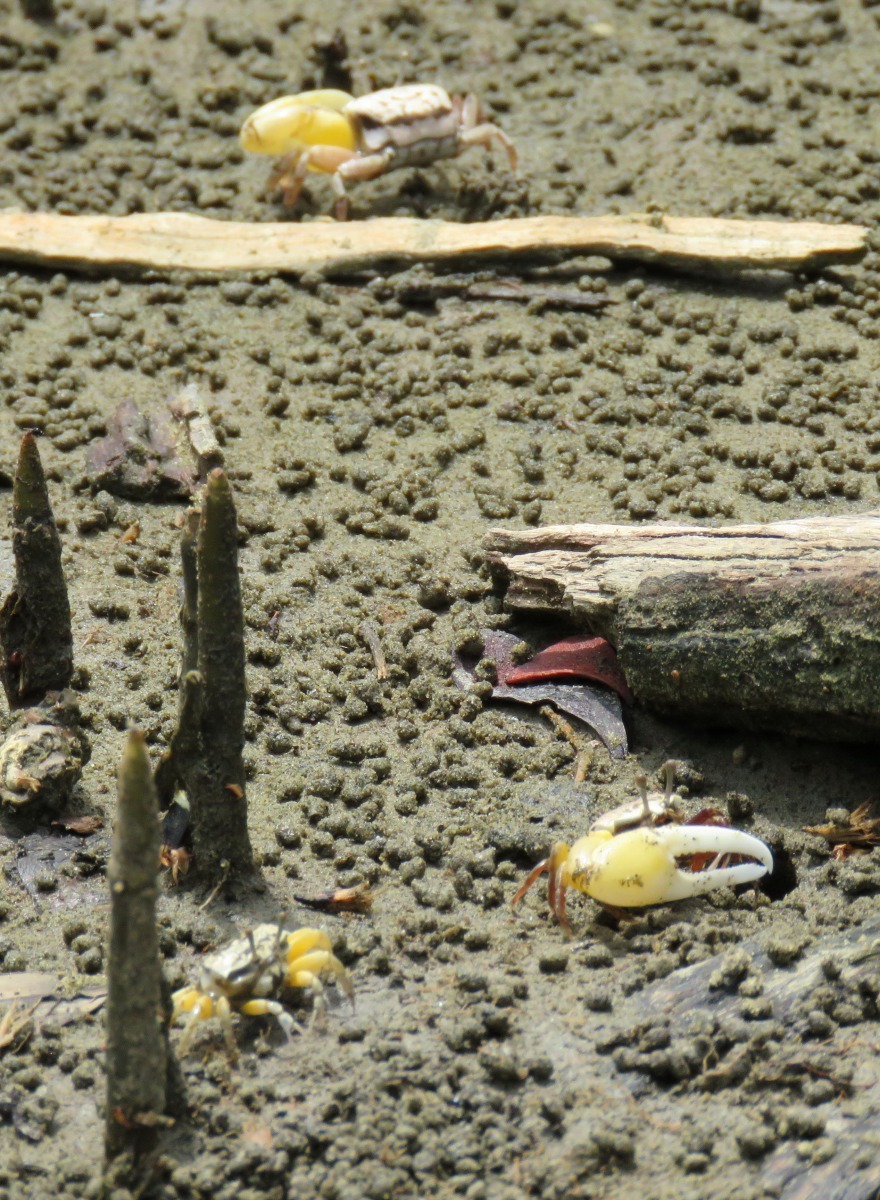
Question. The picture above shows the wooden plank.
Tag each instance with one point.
(183, 240)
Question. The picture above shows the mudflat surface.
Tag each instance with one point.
(721, 1049)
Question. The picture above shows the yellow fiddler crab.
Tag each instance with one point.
(642, 854)
(349, 139)
(245, 976)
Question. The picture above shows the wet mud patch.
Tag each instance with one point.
(372, 434)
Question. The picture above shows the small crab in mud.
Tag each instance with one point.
(247, 973)
(641, 854)
(362, 138)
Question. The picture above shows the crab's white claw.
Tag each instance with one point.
(649, 866)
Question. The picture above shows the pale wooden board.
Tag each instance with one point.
(189, 242)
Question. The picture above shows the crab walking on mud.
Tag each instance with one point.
(246, 974)
(626, 867)
(362, 138)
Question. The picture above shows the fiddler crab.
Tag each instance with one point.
(642, 854)
(362, 138)
(245, 976)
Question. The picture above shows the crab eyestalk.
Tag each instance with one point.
(35, 633)
(669, 779)
(642, 785)
(137, 1039)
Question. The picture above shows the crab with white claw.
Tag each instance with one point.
(352, 138)
(630, 858)
(251, 971)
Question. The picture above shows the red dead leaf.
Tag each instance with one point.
(576, 657)
(598, 707)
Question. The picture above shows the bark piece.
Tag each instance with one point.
(188, 242)
(761, 626)
(35, 632)
(190, 408)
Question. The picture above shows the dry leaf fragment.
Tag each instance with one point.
(12, 1024)
(575, 657)
(139, 458)
(27, 985)
(131, 535)
(861, 829)
(82, 826)
(597, 706)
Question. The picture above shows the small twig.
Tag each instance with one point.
(369, 631)
(584, 761)
(215, 891)
(463, 287)
(561, 726)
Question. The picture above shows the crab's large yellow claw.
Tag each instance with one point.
(641, 866)
(291, 122)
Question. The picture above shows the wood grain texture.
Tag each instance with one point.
(189, 242)
(762, 626)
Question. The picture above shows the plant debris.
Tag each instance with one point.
(597, 705)
(357, 899)
(27, 985)
(857, 832)
(42, 756)
(139, 458)
(16, 1027)
(82, 826)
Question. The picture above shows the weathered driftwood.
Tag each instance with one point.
(190, 242)
(763, 626)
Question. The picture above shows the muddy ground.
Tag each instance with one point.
(724, 1048)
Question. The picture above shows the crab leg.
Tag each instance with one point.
(257, 1008)
(531, 879)
(483, 135)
